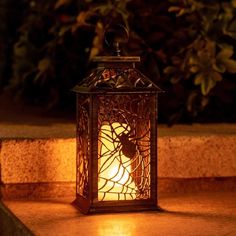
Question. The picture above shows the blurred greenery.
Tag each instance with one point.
(8, 32)
(187, 47)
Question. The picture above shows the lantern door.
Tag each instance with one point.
(124, 166)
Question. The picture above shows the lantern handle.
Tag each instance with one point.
(114, 35)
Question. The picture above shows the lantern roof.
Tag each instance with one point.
(116, 74)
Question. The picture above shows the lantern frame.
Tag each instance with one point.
(90, 92)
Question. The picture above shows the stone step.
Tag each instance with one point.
(35, 157)
(205, 214)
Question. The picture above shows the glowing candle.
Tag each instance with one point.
(115, 180)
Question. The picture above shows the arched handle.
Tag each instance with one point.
(114, 35)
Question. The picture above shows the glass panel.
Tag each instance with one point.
(124, 147)
(82, 145)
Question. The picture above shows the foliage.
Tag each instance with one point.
(8, 27)
(210, 54)
(186, 46)
(56, 41)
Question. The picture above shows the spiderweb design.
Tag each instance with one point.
(82, 146)
(111, 78)
(124, 147)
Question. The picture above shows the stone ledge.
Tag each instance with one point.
(205, 214)
(197, 156)
(166, 186)
(170, 186)
(37, 160)
(38, 190)
(184, 152)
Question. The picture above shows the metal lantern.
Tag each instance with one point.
(116, 138)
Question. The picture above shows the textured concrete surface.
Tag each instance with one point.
(194, 185)
(42, 190)
(197, 156)
(42, 154)
(202, 214)
(37, 160)
(48, 129)
(166, 186)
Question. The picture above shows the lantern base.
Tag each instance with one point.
(113, 207)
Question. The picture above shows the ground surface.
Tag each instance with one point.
(201, 214)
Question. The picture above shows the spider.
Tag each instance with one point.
(128, 147)
(128, 142)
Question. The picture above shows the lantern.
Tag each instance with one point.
(116, 138)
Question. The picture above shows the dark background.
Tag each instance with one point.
(187, 49)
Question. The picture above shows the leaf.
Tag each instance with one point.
(207, 80)
(233, 2)
(199, 78)
(174, 9)
(207, 86)
(194, 68)
(225, 53)
(104, 9)
(43, 68)
(81, 18)
(175, 79)
(182, 12)
(223, 60)
(193, 62)
(170, 70)
(204, 102)
(191, 98)
(219, 67)
(60, 3)
(63, 30)
(44, 64)
(93, 52)
(230, 65)
(232, 35)
(216, 76)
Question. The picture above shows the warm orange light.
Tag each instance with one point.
(115, 168)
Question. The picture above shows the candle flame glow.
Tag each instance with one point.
(115, 180)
